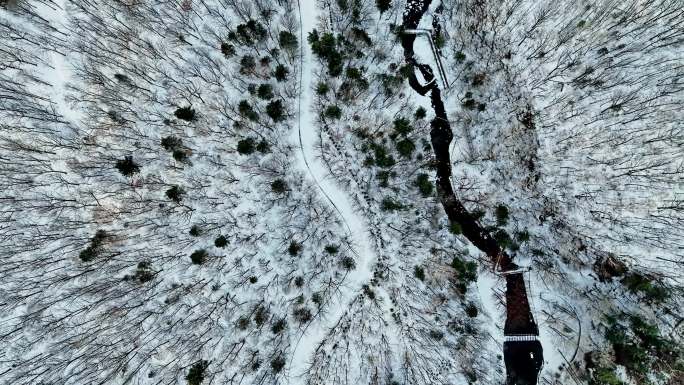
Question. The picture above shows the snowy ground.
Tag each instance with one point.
(307, 135)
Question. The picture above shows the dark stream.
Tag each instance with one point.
(523, 354)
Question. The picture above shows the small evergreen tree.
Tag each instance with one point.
(279, 326)
(127, 167)
(288, 40)
(227, 50)
(247, 64)
(246, 110)
(348, 263)
(279, 186)
(221, 241)
(185, 113)
(424, 185)
(322, 88)
(175, 193)
(275, 110)
(263, 146)
(281, 73)
(420, 113)
(501, 214)
(419, 273)
(171, 143)
(332, 249)
(389, 204)
(195, 375)
(406, 147)
(198, 257)
(265, 91)
(383, 5)
(245, 146)
(180, 155)
(277, 364)
(333, 112)
(294, 248)
(402, 126)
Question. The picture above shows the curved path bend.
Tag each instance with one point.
(306, 135)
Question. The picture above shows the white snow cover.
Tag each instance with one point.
(569, 113)
(307, 135)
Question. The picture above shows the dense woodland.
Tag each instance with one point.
(155, 227)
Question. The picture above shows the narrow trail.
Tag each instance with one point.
(306, 135)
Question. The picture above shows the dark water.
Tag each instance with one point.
(523, 359)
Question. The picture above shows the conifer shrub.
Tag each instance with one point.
(247, 64)
(94, 249)
(127, 167)
(501, 214)
(294, 249)
(221, 241)
(275, 110)
(424, 185)
(263, 146)
(389, 204)
(383, 176)
(522, 236)
(265, 91)
(348, 263)
(322, 88)
(279, 326)
(281, 72)
(402, 126)
(326, 48)
(383, 5)
(195, 375)
(277, 364)
(250, 33)
(171, 143)
(227, 50)
(406, 147)
(436, 335)
(144, 272)
(287, 40)
(471, 310)
(332, 249)
(198, 257)
(302, 314)
(647, 286)
(245, 109)
(419, 273)
(175, 193)
(382, 157)
(260, 315)
(180, 155)
(246, 146)
(185, 113)
(503, 239)
(466, 273)
(243, 323)
(279, 186)
(455, 228)
(333, 112)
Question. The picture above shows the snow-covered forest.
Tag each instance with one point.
(244, 191)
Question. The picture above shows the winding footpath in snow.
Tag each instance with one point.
(306, 135)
